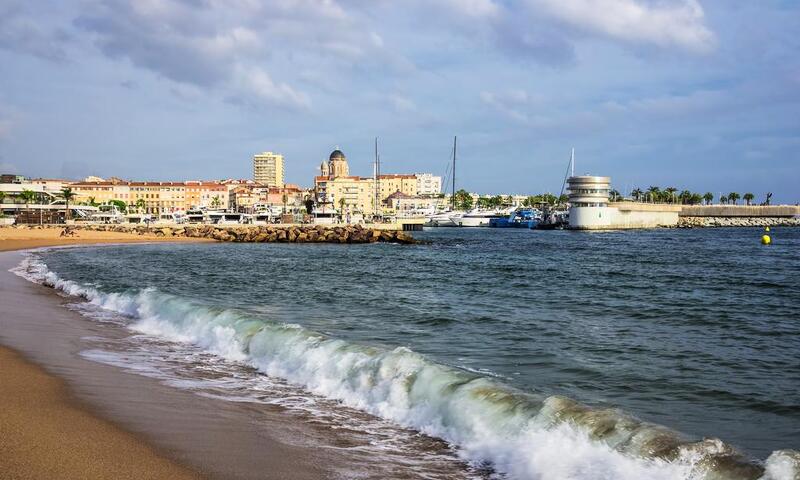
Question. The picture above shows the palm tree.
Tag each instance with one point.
(670, 194)
(723, 199)
(637, 194)
(685, 197)
(68, 195)
(613, 194)
(341, 208)
(462, 200)
(216, 202)
(654, 193)
(708, 197)
(733, 197)
(2, 196)
(748, 197)
(140, 204)
(285, 199)
(27, 196)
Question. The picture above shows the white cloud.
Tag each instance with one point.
(232, 47)
(673, 23)
(402, 104)
(260, 86)
(512, 103)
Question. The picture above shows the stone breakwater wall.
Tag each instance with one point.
(253, 234)
(702, 222)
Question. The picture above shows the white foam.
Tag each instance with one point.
(521, 435)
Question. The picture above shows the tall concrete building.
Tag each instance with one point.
(268, 169)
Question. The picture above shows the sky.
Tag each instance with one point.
(699, 95)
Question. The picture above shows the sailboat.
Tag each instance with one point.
(553, 219)
(448, 218)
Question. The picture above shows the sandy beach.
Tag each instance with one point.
(44, 434)
(25, 238)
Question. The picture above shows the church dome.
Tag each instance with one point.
(337, 155)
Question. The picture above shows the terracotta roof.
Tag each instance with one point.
(398, 194)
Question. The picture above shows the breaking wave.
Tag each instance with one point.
(516, 433)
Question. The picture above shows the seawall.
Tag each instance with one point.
(627, 215)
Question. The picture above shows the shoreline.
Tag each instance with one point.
(58, 417)
(39, 413)
(176, 430)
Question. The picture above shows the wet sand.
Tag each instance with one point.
(43, 434)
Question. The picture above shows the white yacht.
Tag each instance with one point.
(441, 219)
(478, 218)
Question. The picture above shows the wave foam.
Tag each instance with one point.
(520, 434)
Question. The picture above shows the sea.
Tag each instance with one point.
(513, 353)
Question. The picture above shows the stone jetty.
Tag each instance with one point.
(252, 233)
(705, 222)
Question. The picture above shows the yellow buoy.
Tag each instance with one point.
(765, 240)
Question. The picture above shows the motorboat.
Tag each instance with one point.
(522, 218)
(478, 218)
(441, 219)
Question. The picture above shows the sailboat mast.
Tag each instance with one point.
(377, 181)
(453, 193)
(572, 162)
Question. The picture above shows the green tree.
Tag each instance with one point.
(67, 194)
(341, 208)
(637, 194)
(748, 197)
(685, 197)
(548, 198)
(463, 200)
(216, 202)
(654, 194)
(708, 197)
(563, 199)
(695, 199)
(140, 204)
(2, 197)
(613, 195)
(723, 199)
(733, 197)
(27, 196)
(284, 198)
(119, 204)
(669, 194)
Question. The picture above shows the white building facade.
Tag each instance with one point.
(428, 184)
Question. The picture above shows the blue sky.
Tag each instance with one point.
(703, 95)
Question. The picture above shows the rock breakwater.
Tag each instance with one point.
(702, 222)
(251, 234)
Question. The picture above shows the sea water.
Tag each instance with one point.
(669, 354)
